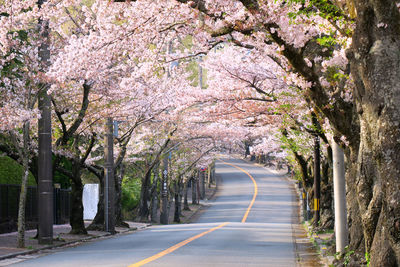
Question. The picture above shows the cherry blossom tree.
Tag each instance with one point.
(337, 57)
(306, 33)
(18, 89)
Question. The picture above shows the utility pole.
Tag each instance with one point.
(164, 193)
(109, 187)
(317, 180)
(339, 189)
(45, 175)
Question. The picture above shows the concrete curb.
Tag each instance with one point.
(49, 247)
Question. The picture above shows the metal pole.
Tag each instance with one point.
(164, 193)
(317, 180)
(109, 188)
(106, 226)
(339, 189)
(45, 176)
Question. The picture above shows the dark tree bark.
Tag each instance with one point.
(202, 188)
(185, 194)
(177, 203)
(76, 216)
(194, 190)
(375, 67)
(180, 196)
(144, 198)
(144, 193)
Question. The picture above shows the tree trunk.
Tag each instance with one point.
(375, 66)
(209, 176)
(76, 217)
(154, 196)
(21, 206)
(185, 195)
(202, 184)
(198, 195)
(144, 197)
(22, 196)
(177, 203)
(194, 190)
(180, 195)
(306, 180)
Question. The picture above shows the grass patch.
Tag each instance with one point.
(325, 231)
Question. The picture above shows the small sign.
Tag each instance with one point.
(115, 133)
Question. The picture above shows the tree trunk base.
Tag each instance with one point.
(78, 232)
(96, 227)
(122, 224)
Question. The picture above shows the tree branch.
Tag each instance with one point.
(75, 125)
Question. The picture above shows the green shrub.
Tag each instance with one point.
(11, 172)
(130, 194)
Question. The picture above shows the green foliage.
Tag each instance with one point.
(333, 75)
(187, 42)
(324, 8)
(193, 69)
(327, 41)
(367, 258)
(325, 231)
(130, 193)
(88, 3)
(296, 146)
(11, 172)
(14, 67)
(346, 256)
(60, 178)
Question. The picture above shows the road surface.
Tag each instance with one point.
(249, 223)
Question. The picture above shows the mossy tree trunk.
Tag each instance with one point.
(375, 67)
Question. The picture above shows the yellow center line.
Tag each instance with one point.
(175, 247)
(255, 189)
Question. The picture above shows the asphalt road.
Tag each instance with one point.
(249, 223)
